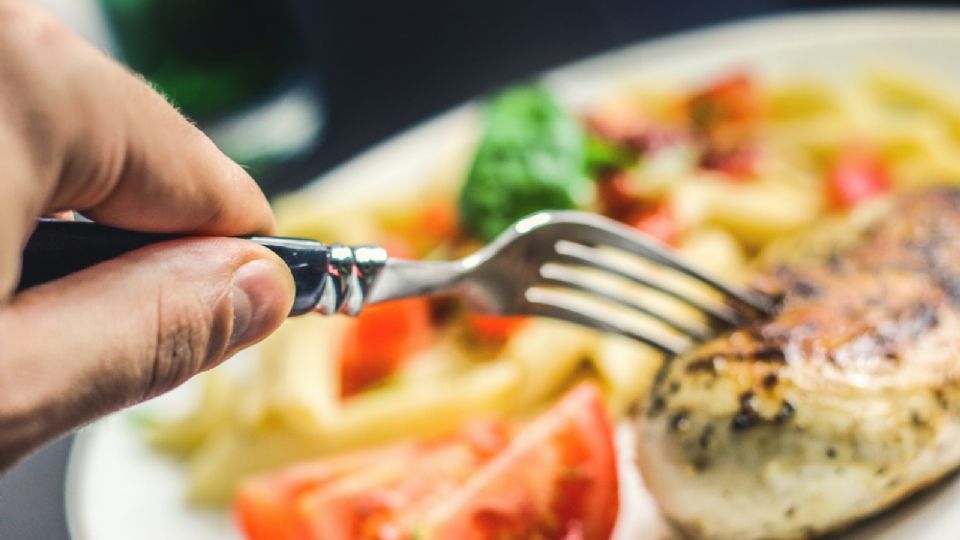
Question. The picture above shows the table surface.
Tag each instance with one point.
(386, 66)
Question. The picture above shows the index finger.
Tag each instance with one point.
(103, 142)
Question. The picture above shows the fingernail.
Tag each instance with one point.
(259, 301)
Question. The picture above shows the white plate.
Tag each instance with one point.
(118, 489)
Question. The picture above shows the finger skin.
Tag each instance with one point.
(79, 132)
(121, 332)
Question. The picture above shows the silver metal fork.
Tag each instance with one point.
(532, 267)
(550, 264)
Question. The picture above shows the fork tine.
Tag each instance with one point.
(559, 276)
(585, 257)
(598, 230)
(547, 303)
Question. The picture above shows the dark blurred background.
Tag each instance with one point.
(292, 88)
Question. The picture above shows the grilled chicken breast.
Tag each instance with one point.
(844, 401)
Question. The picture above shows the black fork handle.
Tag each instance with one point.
(59, 248)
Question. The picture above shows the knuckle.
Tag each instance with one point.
(214, 213)
(27, 28)
(14, 13)
(180, 346)
(34, 49)
(254, 215)
(88, 181)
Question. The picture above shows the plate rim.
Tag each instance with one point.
(906, 19)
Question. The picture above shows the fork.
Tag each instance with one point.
(539, 267)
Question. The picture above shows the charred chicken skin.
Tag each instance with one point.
(838, 405)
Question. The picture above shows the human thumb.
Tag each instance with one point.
(128, 329)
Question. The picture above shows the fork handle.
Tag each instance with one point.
(58, 248)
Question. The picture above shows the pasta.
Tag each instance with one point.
(290, 407)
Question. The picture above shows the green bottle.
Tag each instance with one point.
(220, 62)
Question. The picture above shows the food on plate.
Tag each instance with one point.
(838, 405)
(382, 337)
(729, 172)
(532, 156)
(553, 478)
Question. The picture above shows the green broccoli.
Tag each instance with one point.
(532, 157)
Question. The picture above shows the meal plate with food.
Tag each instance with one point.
(814, 158)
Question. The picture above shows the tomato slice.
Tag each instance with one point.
(557, 479)
(494, 328)
(617, 195)
(383, 336)
(738, 164)
(370, 504)
(856, 176)
(439, 220)
(265, 506)
(658, 222)
(619, 200)
(725, 116)
(554, 479)
(731, 99)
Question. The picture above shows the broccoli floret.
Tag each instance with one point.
(532, 157)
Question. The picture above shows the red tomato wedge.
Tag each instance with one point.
(553, 479)
(557, 479)
(438, 220)
(383, 336)
(726, 115)
(738, 164)
(732, 99)
(494, 328)
(265, 506)
(618, 196)
(372, 503)
(658, 222)
(856, 176)
(619, 200)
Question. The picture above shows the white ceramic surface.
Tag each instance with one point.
(118, 489)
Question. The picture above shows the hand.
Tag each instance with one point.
(78, 132)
